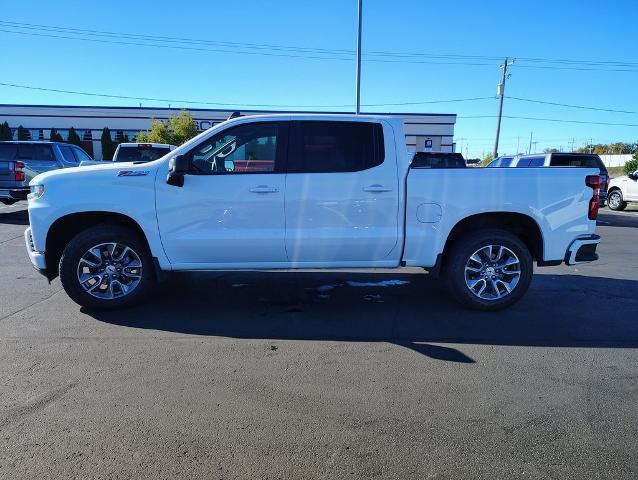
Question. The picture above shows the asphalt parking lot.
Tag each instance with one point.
(322, 375)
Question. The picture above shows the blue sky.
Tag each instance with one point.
(591, 31)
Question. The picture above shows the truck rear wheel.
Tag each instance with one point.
(106, 267)
(488, 270)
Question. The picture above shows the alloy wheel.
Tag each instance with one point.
(492, 272)
(109, 270)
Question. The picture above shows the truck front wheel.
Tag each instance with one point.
(488, 270)
(615, 201)
(106, 267)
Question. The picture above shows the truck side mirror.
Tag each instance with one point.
(178, 166)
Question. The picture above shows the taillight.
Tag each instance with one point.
(18, 174)
(594, 182)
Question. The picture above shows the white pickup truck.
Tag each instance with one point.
(300, 192)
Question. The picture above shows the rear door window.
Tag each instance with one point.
(531, 162)
(67, 153)
(81, 155)
(537, 162)
(34, 151)
(323, 147)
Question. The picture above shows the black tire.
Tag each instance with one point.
(615, 201)
(104, 234)
(459, 255)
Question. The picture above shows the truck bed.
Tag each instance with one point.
(557, 199)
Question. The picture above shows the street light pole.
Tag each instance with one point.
(358, 87)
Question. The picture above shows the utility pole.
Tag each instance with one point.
(573, 142)
(359, 58)
(501, 93)
(518, 145)
(531, 134)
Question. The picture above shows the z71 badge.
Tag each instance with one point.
(132, 173)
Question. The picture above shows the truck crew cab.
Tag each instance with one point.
(306, 191)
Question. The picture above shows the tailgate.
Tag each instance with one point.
(7, 178)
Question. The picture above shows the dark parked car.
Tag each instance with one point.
(22, 160)
(438, 160)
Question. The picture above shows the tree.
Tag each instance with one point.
(108, 147)
(632, 165)
(73, 137)
(177, 130)
(23, 134)
(55, 136)
(5, 132)
(182, 127)
(488, 158)
(550, 150)
(620, 148)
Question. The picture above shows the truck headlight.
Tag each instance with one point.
(36, 192)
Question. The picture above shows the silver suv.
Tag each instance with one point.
(21, 161)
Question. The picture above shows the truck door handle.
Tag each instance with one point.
(264, 189)
(376, 188)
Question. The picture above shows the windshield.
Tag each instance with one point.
(140, 154)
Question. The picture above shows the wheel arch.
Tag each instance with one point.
(519, 224)
(68, 226)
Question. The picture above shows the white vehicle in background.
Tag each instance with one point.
(307, 191)
(141, 152)
(558, 159)
(622, 190)
(136, 152)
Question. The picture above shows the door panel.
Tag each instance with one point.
(218, 219)
(340, 217)
(230, 211)
(632, 190)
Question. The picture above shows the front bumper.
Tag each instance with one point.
(14, 193)
(582, 250)
(37, 258)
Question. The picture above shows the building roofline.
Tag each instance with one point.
(312, 112)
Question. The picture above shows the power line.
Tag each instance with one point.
(549, 120)
(582, 107)
(120, 38)
(228, 104)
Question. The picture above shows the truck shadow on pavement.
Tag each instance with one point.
(621, 219)
(15, 217)
(407, 309)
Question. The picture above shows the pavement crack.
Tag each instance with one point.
(9, 239)
(29, 306)
(34, 406)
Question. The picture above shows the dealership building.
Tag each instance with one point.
(424, 131)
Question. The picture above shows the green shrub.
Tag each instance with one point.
(632, 165)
